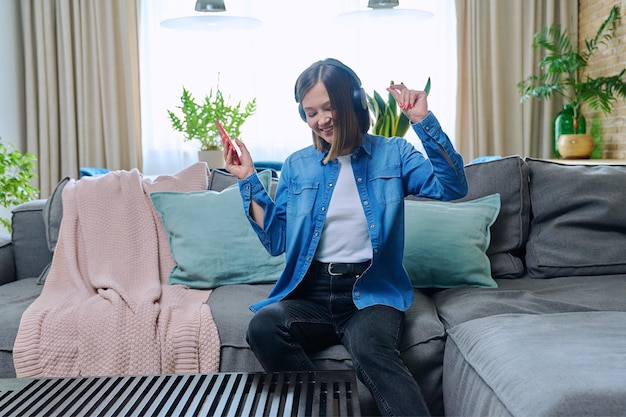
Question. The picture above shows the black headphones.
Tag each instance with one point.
(359, 97)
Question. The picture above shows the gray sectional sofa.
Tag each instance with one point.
(549, 339)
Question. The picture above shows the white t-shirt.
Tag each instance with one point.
(345, 236)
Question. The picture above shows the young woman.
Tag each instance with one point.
(338, 216)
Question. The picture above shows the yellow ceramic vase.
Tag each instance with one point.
(575, 146)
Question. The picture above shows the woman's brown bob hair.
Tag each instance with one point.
(350, 120)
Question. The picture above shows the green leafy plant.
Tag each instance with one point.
(562, 66)
(16, 171)
(198, 119)
(387, 118)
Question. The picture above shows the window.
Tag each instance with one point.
(265, 62)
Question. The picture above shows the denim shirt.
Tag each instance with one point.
(386, 170)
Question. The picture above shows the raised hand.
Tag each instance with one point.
(414, 103)
(242, 168)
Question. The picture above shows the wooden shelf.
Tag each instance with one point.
(589, 161)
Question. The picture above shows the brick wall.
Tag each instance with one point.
(609, 61)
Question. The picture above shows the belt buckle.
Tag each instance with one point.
(330, 270)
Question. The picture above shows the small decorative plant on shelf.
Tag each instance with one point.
(562, 72)
(16, 171)
(198, 119)
(387, 118)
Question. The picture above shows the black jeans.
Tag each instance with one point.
(321, 313)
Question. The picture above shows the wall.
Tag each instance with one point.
(611, 60)
(12, 119)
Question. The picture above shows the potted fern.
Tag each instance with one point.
(562, 72)
(197, 121)
(387, 118)
(16, 172)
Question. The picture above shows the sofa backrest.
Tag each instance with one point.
(221, 179)
(36, 227)
(556, 219)
(578, 220)
(508, 177)
(7, 264)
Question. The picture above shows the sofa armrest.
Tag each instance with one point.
(30, 244)
(7, 263)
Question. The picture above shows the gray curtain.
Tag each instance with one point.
(82, 86)
(494, 54)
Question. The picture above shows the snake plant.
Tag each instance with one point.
(387, 118)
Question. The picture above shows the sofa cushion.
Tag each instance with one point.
(568, 364)
(53, 213)
(508, 177)
(532, 296)
(578, 225)
(15, 297)
(222, 179)
(52, 216)
(212, 241)
(445, 242)
(421, 348)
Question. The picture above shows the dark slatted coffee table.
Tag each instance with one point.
(328, 393)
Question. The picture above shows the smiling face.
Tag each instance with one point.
(319, 112)
(325, 93)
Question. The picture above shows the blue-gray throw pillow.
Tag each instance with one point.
(446, 243)
(212, 241)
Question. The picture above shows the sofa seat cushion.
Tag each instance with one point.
(532, 296)
(421, 347)
(578, 225)
(15, 297)
(566, 364)
(231, 313)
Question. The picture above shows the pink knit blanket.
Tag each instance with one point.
(106, 307)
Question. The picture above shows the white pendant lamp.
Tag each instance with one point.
(384, 11)
(209, 19)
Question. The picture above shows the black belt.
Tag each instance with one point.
(337, 268)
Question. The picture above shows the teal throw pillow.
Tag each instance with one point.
(212, 241)
(446, 243)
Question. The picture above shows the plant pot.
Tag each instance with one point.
(564, 124)
(214, 159)
(575, 146)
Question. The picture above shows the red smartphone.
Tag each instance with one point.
(227, 142)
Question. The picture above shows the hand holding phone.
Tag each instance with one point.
(228, 143)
